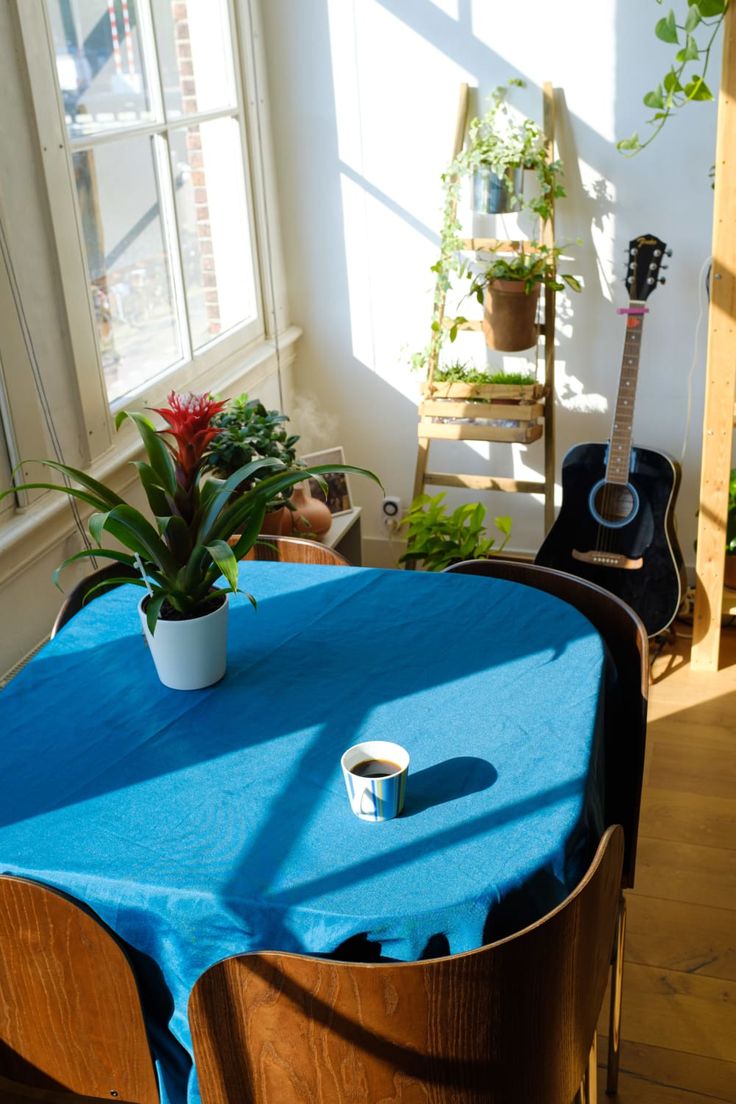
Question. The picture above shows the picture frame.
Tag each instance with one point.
(338, 496)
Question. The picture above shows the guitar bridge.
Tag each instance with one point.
(608, 559)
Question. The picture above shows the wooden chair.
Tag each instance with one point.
(510, 1022)
(625, 724)
(71, 1023)
(80, 594)
(294, 550)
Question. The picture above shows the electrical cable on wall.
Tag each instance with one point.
(38, 380)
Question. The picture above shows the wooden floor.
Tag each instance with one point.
(679, 1013)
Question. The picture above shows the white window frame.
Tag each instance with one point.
(217, 361)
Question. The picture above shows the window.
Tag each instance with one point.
(7, 504)
(153, 111)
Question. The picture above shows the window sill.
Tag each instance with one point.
(32, 532)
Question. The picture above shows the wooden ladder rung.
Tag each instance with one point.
(485, 482)
(477, 325)
(496, 245)
(523, 434)
(446, 408)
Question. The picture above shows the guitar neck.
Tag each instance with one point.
(619, 452)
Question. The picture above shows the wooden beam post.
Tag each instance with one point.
(720, 374)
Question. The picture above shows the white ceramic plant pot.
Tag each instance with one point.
(189, 654)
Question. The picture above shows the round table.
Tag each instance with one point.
(203, 824)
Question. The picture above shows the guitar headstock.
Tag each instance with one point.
(646, 254)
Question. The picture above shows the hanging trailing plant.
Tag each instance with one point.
(694, 33)
(499, 143)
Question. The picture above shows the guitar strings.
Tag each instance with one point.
(612, 493)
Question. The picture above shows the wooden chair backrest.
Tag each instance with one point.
(70, 1013)
(512, 1021)
(80, 594)
(294, 550)
(625, 716)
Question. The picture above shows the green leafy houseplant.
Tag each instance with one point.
(458, 372)
(537, 267)
(247, 431)
(684, 82)
(498, 143)
(185, 551)
(437, 539)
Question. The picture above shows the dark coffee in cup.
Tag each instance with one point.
(375, 768)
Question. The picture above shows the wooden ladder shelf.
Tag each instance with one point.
(467, 411)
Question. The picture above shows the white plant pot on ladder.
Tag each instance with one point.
(191, 654)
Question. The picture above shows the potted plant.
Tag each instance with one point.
(499, 147)
(437, 539)
(498, 151)
(185, 562)
(247, 431)
(508, 286)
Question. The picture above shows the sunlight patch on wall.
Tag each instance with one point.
(388, 123)
(571, 394)
(524, 470)
(449, 7)
(386, 308)
(391, 140)
(587, 74)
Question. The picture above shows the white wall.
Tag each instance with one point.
(364, 96)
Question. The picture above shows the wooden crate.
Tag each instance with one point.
(466, 409)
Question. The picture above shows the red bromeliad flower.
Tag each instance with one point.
(189, 419)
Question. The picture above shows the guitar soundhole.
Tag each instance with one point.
(613, 504)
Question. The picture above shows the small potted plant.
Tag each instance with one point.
(437, 539)
(508, 287)
(497, 153)
(247, 431)
(185, 563)
(503, 148)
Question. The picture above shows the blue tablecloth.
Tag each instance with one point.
(203, 824)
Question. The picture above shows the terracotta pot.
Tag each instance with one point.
(278, 523)
(311, 517)
(509, 315)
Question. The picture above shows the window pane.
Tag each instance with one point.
(195, 55)
(128, 264)
(213, 227)
(99, 64)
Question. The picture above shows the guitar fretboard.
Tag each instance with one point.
(619, 453)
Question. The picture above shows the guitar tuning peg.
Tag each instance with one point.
(662, 280)
(668, 252)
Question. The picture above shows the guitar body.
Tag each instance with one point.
(639, 533)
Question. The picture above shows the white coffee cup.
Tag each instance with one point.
(375, 774)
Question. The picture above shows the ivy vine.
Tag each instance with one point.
(684, 82)
(498, 143)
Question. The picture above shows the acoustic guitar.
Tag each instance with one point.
(616, 523)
